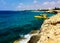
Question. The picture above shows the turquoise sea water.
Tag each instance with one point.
(16, 23)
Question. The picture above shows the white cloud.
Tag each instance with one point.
(21, 4)
(26, 7)
(36, 5)
(51, 4)
(35, 1)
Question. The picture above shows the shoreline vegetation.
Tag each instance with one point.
(34, 35)
(55, 10)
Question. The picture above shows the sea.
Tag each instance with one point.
(16, 24)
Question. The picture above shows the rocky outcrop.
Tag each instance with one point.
(34, 39)
(50, 30)
(28, 38)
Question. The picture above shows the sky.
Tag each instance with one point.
(28, 4)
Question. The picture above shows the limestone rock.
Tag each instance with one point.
(50, 30)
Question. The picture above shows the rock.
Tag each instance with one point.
(50, 30)
(34, 39)
(34, 32)
(26, 39)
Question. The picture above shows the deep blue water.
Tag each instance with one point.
(14, 23)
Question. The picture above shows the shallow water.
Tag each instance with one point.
(16, 23)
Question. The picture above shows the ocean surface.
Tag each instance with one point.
(14, 24)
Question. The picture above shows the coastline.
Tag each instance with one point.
(50, 30)
(27, 38)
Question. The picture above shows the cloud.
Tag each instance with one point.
(20, 5)
(36, 5)
(48, 4)
(58, 3)
(51, 4)
(35, 1)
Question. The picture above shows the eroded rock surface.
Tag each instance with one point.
(50, 30)
(34, 39)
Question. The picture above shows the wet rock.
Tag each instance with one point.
(34, 39)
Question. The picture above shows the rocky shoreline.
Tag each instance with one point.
(48, 33)
(28, 38)
(50, 30)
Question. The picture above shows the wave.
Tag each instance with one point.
(25, 38)
(13, 33)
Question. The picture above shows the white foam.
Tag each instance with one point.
(27, 38)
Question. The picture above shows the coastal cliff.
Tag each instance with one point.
(49, 31)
